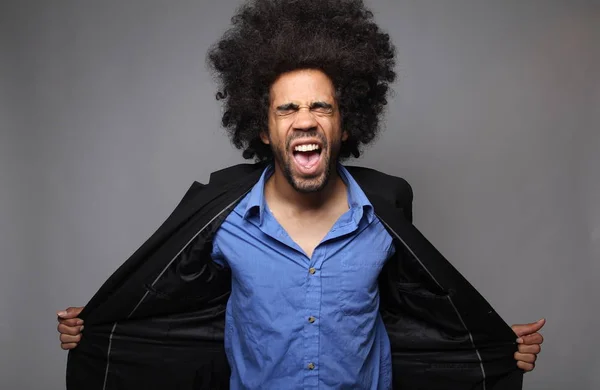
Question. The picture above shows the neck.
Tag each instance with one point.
(279, 190)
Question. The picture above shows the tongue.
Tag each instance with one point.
(307, 159)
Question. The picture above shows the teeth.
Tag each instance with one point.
(306, 148)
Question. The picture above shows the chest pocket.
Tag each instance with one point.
(358, 292)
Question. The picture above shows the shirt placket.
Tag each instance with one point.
(312, 319)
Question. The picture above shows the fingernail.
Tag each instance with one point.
(519, 341)
(61, 313)
(541, 320)
(81, 329)
(80, 322)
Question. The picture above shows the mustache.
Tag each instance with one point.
(306, 134)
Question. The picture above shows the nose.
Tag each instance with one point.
(305, 120)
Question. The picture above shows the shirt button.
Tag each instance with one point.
(311, 319)
(312, 271)
(311, 366)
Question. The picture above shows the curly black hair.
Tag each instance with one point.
(271, 37)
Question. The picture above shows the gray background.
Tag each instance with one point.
(107, 115)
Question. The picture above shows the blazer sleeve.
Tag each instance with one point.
(404, 198)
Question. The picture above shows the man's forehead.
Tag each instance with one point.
(304, 86)
(302, 96)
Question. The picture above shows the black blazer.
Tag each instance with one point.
(157, 322)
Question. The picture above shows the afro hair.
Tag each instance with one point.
(271, 37)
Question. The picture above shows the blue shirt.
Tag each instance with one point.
(294, 322)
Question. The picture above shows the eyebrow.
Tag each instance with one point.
(288, 106)
(321, 105)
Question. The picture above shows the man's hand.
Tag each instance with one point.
(70, 327)
(529, 341)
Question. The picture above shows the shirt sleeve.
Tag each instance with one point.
(216, 254)
(391, 250)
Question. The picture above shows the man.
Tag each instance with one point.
(307, 271)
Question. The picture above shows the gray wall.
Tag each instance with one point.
(107, 114)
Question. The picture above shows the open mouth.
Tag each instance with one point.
(307, 156)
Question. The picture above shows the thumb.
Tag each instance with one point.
(69, 313)
(525, 329)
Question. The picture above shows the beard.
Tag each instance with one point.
(283, 158)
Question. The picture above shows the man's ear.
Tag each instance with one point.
(345, 136)
(264, 137)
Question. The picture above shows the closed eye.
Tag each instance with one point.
(287, 109)
(321, 108)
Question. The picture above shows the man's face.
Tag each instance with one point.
(304, 128)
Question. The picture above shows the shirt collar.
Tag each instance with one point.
(256, 199)
(357, 200)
